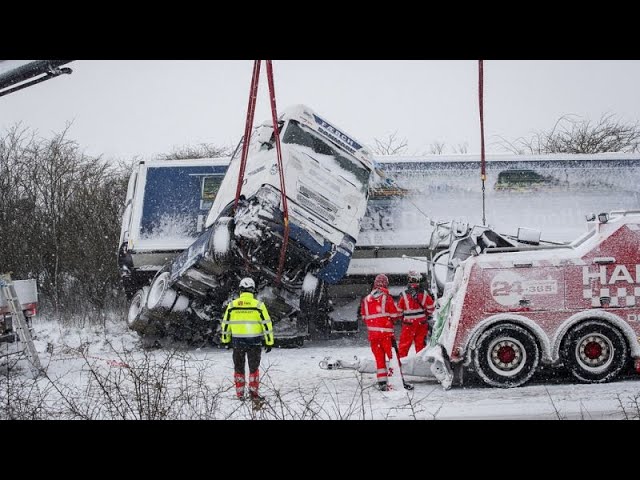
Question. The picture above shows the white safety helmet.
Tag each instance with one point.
(247, 284)
(414, 277)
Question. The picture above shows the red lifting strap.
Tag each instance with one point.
(255, 78)
(483, 172)
(251, 109)
(283, 192)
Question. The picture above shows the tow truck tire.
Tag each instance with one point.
(506, 356)
(594, 351)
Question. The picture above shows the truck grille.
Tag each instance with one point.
(317, 203)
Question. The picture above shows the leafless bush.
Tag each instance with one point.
(390, 145)
(202, 150)
(572, 134)
(21, 397)
(630, 407)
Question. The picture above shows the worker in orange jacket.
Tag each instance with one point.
(416, 307)
(379, 313)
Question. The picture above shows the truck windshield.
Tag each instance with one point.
(354, 172)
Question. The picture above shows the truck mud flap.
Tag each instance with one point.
(438, 365)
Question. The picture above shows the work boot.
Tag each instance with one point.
(239, 384)
(383, 386)
(407, 386)
(257, 400)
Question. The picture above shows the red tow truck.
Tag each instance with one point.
(508, 305)
(505, 310)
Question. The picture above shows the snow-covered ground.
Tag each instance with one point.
(102, 372)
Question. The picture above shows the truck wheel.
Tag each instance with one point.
(137, 305)
(506, 356)
(161, 296)
(220, 242)
(594, 351)
(314, 307)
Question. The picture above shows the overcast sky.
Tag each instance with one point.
(140, 108)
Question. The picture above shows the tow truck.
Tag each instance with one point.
(509, 305)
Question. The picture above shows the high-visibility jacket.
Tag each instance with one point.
(379, 311)
(415, 308)
(247, 322)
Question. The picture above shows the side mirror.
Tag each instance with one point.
(264, 134)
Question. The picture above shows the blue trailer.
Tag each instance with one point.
(166, 205)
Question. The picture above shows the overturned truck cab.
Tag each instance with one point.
(327, 176)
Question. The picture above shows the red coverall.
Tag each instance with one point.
(379, 312)
(415, 305)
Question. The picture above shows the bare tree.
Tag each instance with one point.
(571, 134)
(462, 148)
(390, 145)
(202, 150)
(437, 148)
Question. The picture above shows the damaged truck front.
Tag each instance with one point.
(326, 175)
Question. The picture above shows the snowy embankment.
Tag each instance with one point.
(102, 372)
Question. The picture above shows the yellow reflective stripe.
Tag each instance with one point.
(247, 335)
(241, 322)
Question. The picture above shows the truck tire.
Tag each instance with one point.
(163, 297)
(220, 242)
(594, 351)
(137, 306)
(506, 356)
(314, 310)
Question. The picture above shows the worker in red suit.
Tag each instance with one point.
(379, 313)
(416, 307)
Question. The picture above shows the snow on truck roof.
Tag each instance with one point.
(505, 157)
(329, 130)
(571, 252)
(443, 158)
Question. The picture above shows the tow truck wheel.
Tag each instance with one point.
(594, 352)
(506, 356)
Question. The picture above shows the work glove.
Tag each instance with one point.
(431, 321)
(267, 348)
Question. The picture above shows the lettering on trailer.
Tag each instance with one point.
(508, 288)
(616, 282)
(336, 135)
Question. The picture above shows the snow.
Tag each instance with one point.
(309, 284)
(7, 65)
(75, 356)
(197, 383)
(221, 238)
